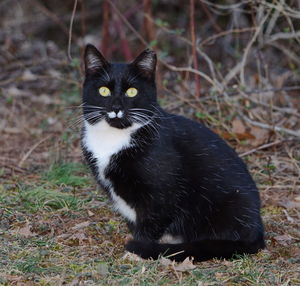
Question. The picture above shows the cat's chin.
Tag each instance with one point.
(118, 123)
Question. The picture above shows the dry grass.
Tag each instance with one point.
(56, 227)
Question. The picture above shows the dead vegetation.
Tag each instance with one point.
(233, 65)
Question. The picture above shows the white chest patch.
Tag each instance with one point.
(103, 141)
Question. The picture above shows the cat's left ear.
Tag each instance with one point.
(146, 62)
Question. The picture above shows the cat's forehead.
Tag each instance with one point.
(121, 72)
(119, 69)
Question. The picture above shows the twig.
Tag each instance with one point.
(224, 33)
(273, 107)
(138, 35)
(31, 150)
(264, 146)
(12, 167)
(247, 49)
(211, 67)
(210, 17)
(225, 7)
(105, 37)
(194, 54)
(148, 24)
(189, 69)
(70, 29)
(272, 21)
(252, 91)
(51, 15)
(290, 54)
(283, 36)
(270, 127)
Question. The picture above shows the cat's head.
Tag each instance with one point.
(121, 94)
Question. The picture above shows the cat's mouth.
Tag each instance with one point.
(118, 119)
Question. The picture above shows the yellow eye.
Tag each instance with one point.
(131, 92)
(104, 91)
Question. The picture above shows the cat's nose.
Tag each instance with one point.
(116, 108)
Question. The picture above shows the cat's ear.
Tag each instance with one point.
(146, 62)
(93, 59)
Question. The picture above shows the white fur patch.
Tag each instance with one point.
(120, 114)
(104, 141)
(168, 238)
(112, 114)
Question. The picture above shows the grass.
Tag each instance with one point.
(35, 199)
(55, 190)
(67, 174)
(57, 228)
(73, 237)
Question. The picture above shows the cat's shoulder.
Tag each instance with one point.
(186, 126)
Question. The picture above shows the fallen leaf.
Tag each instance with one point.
(295, 252)
(201, 283)
(185, 265)
(261, 136)
(81, 225)
(283, 239)
(12, 278)
(90, 213)
(165, 261)
(290, 204)
(238, 126)
(221, 275)
(131, 257)
(143, 269)
(288, 217)
(74, 239)
(25, 231)
(74, 282)
(28, 76)
(297, 199)
(240, 130)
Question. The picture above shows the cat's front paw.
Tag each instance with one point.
(144, 249)
(128, 238)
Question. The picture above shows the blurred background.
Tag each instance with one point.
(233, 65)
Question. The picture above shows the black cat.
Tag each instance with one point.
(181, 188)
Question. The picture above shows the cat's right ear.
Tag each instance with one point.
(93, 59)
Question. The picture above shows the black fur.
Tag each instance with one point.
(179, 176)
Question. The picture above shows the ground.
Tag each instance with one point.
(57, 227)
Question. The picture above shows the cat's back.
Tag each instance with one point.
(204, 152)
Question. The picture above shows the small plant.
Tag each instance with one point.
(40, 197)
(71, 174)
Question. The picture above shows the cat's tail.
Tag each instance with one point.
(199, 250)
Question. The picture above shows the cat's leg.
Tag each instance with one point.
(131, 226)
(150, 228)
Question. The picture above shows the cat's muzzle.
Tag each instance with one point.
(117, 119)
(113, 114)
